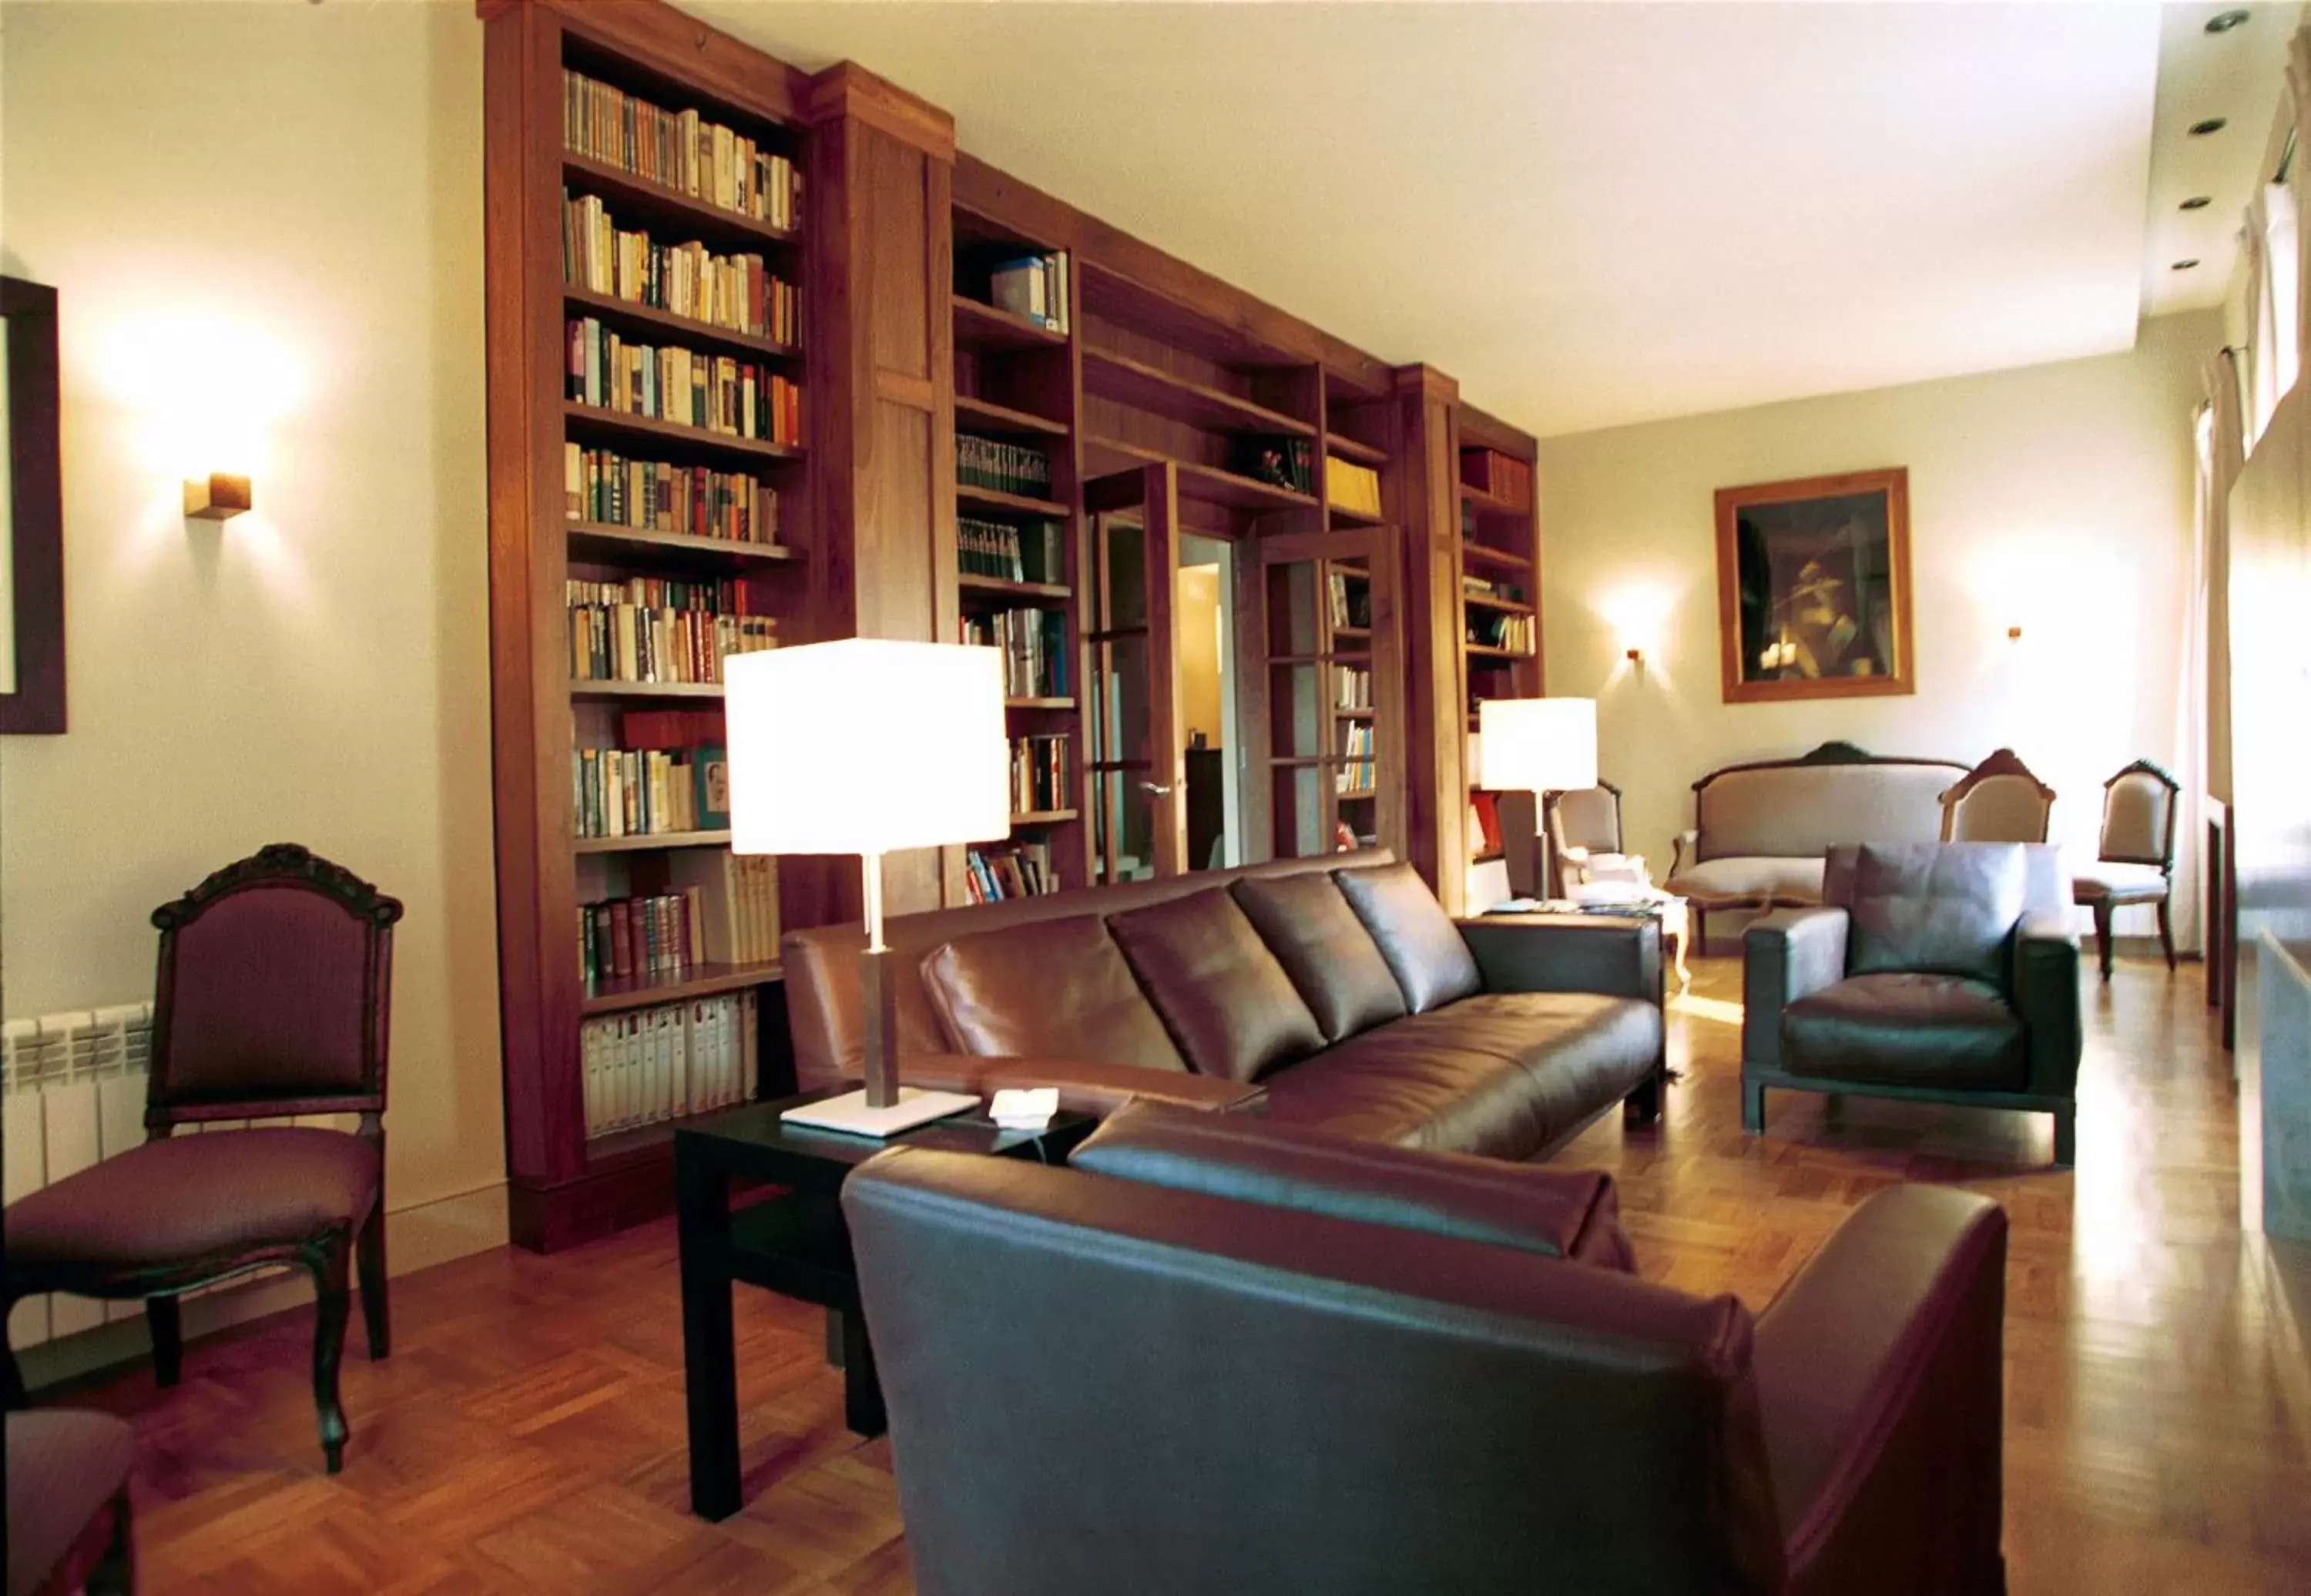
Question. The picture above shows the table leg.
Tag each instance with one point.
(710, 1363)
(862, 1392)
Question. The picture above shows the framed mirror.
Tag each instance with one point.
(31, 515)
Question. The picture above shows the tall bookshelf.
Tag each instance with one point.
(649, 514)
(1500, 588)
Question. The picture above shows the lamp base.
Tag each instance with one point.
(851, 1115)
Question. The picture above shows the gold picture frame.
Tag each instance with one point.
(1813, 587)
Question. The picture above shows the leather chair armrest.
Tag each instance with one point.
(1613, 954)
(1786, 955)
(1085, 1087)
(2046, 995)
(1559, 1213)
(1879, 1373)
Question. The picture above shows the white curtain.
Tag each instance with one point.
(2298, 95)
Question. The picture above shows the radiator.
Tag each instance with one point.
(75, 1096)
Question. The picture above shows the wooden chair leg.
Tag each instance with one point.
(2166, 932)
(163, 1317)
(331, 1307)
(2102, 937)
(1700, 930)
(368, 1263)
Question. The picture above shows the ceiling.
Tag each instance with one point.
(1596, 214)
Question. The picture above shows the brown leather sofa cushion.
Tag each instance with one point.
(1558, 1213)
(1944, 907)
(64, 1469)
(1425, 952)
(1054, 988)
(1332, 960)
(1506, 1075)
(1221, 994)
(186, 1198)
(1906, 1029)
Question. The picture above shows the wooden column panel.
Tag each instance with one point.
(1426, 505)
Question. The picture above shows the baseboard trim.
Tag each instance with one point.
(415, 1237)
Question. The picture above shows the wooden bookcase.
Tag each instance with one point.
(1499, 538)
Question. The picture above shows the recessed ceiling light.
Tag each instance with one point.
(2182, 265)
(2211, 125)
(2223, 22)
(2197, 202)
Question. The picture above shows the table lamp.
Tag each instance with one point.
(1538, 746)
(868, 746)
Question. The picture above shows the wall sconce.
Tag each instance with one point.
(1637, 657)
(220, 498)
(2014, 634)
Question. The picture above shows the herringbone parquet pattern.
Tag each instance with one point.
(527, 1434)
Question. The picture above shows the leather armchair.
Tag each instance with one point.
(1202, 1367)
(1958, 984)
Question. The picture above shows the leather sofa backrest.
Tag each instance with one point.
(1227, 1003)
(2045, 885)
(1422, 947)
(1801, 808)
(1096, 1385)
(1055, 989)
(822, 964)
(1935, 908)
(1332, 959)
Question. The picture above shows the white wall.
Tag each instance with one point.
(263, 222)
(2056, 498)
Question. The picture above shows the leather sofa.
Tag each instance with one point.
(1331, 992)
(1941, 972)
(1215, 1355)
(1760, 829)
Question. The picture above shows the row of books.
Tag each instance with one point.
(736, 292)
(654, 934)
(649, 792)
(1492, 629)
(1503, 477)
(716, 392)
(1348, 596)
(718, 907)
(1350, 486)
(655, 629)
(650, 1065)
(1279, 462)
(1352, 687)
(1024, 870)
(1007, 468)
(1035, 645)
(657, 496)
(678, 150)
(1035, 286)
(1490, 588)
(1041, 779)
(1358, 745)
(1033, 552)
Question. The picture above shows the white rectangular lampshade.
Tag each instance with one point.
(1537, 744)
(866, 746)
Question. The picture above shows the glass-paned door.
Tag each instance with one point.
(1136, 767)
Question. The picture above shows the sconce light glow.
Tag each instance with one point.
(207, 390)
(1638, 614)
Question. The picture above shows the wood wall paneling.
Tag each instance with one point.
(1427, 507)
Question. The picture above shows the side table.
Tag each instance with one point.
(793, 1243)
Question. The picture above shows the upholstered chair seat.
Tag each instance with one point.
(2121, 882)
(186, 1198)
(1907, 1027)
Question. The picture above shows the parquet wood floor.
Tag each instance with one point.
(527, 1434)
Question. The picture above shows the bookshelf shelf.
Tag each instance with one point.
(1342, 516)
(1508, 607)
(1000, 586)
(1039, 704)
(1132, 382)
(1350, 449)
(1044, 817)
(637, 844)
(979, 325)
(985, 415)
(1353, 714)
(1479, 554)
(580, 688)
(610, 307)
(605, 540)
(653, 202)
(693, 981)
(996, 499)
(1357, 633)
(1487, 651)
(1206, 484)
(1111, 296)
(593, 418)
(1473, 494)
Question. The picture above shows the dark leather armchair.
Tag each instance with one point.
(272, 1002)
(1941, 972)
(1192, 1362)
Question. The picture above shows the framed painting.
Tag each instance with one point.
(31, 515)
(1813, 587)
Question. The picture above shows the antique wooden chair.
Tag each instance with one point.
(2135, 863)
(1998, 801)
(273, 996)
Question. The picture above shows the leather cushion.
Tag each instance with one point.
(1749, 879)
(1506, 1075)
(1558, 1213)
(1225, 1000)
(64, 1467)
(189, 1197)
(1947, 908)
(1333, 963)
(1423, 948)
(1051, 988)
(1906, 1029)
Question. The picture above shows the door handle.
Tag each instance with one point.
(1160, 789)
